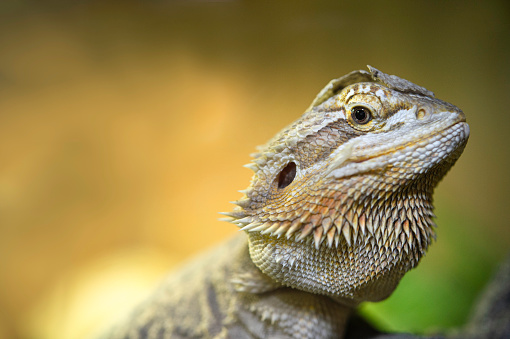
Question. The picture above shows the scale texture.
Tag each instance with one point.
(338, 210)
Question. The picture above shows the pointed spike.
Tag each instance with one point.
(346, 231)
(245, 191)
(398, 227)
(252, 166)
(425, 235)
(244, 221)
(409, 214)
(366, 240)
(305, 232)
(349, 215)
(418, 238)
(279, 147)
(265, 315)
(291, 261)
(361, 223)
(386, 235)
(229, 219)
(378, 236)
(406, 248)
(304, 217)
(382, 225)
(260, 161)
(326, 224)
(414, 228)
(370, 225)
(228, 214)
(237, 213)
(403, 239)
(387, 212)
(376, 222)
(339, 222)
(317, 235)
(391, 239)
(284, 226)
(405, 226)
(433, 234)
(330, 235)
(261, 227)
(243, 203)
(354, 223)
(420, 224)
(394, 214)
(293, 228)
(416, 215)
(400, 204)
(354, 234)
(402, 214)
(410, 240)
(251, 226)
(271, 229)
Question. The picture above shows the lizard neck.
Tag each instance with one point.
(265, 308)
(290, 313)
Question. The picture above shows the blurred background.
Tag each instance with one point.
(124, 125)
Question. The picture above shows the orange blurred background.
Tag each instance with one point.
(123, 128)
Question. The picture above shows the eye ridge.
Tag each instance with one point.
(361, 115)
(287, 175)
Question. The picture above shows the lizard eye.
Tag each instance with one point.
(287, 175)
(361, 115)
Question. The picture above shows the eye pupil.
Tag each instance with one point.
(361, 115)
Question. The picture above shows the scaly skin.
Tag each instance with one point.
(339, 209)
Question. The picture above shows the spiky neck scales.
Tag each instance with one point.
(341, 200)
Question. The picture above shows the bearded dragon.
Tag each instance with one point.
(338, 210)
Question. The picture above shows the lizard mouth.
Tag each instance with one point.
(420, 153)
(456, 133)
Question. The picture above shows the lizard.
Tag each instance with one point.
(338, 210)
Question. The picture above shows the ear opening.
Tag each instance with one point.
(287, 175)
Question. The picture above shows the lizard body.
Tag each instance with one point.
(338, 210)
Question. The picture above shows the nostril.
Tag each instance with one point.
(421, 114)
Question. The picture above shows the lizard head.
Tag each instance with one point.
(341, 200)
